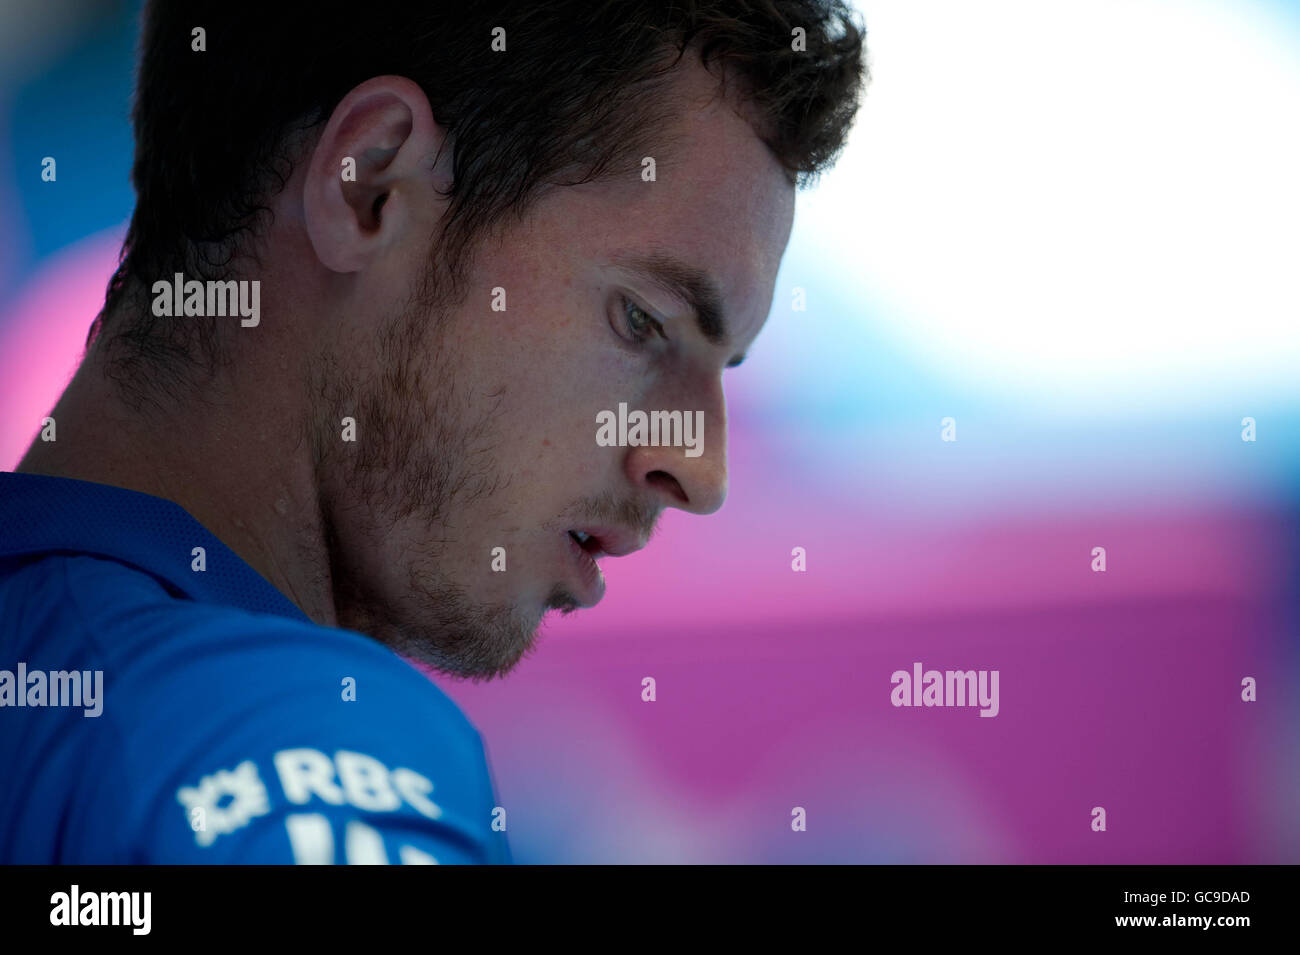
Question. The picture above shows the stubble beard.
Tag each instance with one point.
(420, 457)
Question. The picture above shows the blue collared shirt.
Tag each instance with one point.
(161, 702)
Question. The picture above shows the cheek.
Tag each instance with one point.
(546, 443)
(546, 374)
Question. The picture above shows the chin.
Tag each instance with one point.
(460, 638)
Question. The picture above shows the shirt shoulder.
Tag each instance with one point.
(230, 736)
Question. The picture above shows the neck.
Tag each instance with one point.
(237, 456)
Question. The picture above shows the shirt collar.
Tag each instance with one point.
(41, 514)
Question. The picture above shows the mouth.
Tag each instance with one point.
(583, 551)
(607, 541)
(587, 543)
(586, 546)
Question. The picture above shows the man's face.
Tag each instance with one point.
(482, 444)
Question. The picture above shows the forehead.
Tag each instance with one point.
(719, 202)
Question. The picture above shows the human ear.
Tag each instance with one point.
(369, 179)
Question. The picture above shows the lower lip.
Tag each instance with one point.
(591, 581)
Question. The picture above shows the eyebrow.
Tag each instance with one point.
(691, 285)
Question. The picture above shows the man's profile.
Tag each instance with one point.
(390, 268)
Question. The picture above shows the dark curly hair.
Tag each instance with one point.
(218, 132)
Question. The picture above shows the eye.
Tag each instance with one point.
(639, 323)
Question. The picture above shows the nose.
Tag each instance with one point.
(676, 474)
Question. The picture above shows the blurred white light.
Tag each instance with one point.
(1056, 198)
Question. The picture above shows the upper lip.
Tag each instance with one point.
(614, 541)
